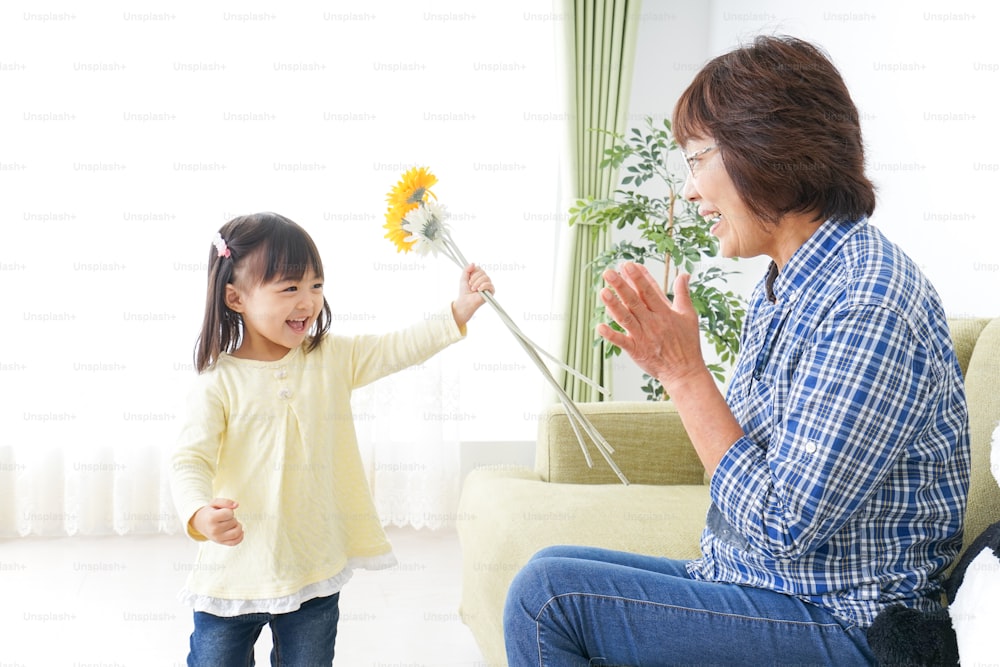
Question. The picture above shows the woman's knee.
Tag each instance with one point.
(528, 578)
(558, 551)
(530, 588)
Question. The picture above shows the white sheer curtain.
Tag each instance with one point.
(409, 434)
(130, 136)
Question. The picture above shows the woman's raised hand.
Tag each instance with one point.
(661, 336)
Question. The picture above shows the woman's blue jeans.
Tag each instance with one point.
(301, 638)
(582, 606)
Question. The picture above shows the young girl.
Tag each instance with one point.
(267, 474)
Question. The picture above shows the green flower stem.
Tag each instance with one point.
(576, 418)
(453, 253)
(573, 412)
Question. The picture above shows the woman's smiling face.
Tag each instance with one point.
(709, 185)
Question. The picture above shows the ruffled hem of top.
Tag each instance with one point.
(287, 603)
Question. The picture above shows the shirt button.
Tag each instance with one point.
(281, 374)
(285, 393)
(811, 447)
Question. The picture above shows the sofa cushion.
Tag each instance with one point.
(984, 411)
(651, 445)
(964, 333)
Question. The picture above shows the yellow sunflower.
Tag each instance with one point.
(411, 191)
(394, 223)
(412, 188)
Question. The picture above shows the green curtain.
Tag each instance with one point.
(602, 51)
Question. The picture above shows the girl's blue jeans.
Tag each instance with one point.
(304, 637)
(582, 606)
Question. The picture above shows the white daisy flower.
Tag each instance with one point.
(425, 225)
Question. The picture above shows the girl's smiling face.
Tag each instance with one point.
(277, 315)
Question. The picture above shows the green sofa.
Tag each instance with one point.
(507, 514)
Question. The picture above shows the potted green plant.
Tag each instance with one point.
(670, 232)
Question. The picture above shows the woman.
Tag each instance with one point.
(839, 457)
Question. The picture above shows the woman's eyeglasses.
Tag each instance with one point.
(692, 160)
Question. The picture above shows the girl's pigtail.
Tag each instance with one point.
(221, 327)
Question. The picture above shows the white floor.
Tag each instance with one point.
(84, 602)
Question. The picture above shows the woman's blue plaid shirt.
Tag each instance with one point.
(848, 489)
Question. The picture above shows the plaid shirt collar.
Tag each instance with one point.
(807, 260)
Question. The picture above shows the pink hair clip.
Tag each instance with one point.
(220, 246)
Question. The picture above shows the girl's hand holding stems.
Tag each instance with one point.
(474, 280)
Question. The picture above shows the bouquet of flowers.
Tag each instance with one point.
(415, 223)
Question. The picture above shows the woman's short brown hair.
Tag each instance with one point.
(786, 127)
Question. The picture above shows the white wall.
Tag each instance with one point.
(138, 237)
(924, 77)
(130, 134)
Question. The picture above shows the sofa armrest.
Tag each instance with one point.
(506, 515)
(651, 445)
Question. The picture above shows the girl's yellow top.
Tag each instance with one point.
(279, 438)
